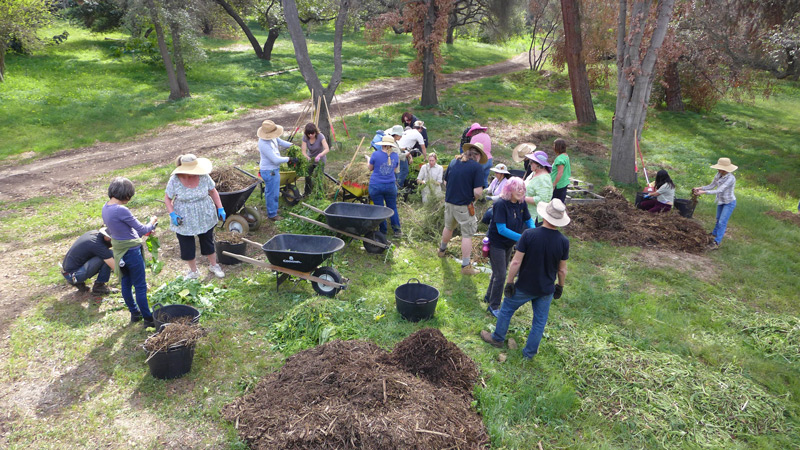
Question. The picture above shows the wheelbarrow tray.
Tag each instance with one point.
(355, 189)
(288, 177)
(300, 252)
(356, 218)
(232, 202)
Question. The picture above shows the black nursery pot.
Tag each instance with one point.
(237, 249)
(172, 363)
(416, 301)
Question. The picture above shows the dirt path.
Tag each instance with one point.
(49, 174)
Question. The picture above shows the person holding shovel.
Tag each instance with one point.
(126, 244)
(194, 207)
(722, 185)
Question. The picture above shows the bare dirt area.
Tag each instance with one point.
(542, 135)
(352, 394)
(786, 216)
(45, 176)
(699, 266)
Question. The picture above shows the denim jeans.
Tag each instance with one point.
(487, 172)
(134, 276)
(381, 193)
(272, 190)
(95, 266)
(723, 214)
(403, 173)
(541, 309)
(499, 257)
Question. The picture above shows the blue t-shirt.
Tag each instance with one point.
(378, 137)
(514, 215)
(462, 178)
(544, 250)
(383, 167)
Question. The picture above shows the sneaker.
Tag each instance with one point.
(81, 287)
(100, 289)
(192, 275)
(276, 218)
(216, 270)
(148, 323)
(469, 270)
(487, 337)
(494, 312)
(713, 246)
(398, 233)
(136, 316)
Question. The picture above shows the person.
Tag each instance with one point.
(541, 259)
(662, 199)
(722, 185)
(194, 206)
(314, 146)
(420, 126)
(408, 139)
(382, 186)
(376, 140)
(538, 185)
(518, 155)
(430, 176)
(90, 255)
(269, 146)
(477, 135)
(126, 245)
(407, 120)
(561, 170)
(495, 189)
(510, 219)
(463, 185)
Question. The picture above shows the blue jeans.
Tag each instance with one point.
(723, 214)
(92, 267)
(403, 173)
(381, 193)
(487, 172)
(134, 276)
(272, 190)
(541, 309)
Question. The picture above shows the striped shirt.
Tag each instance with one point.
(724, 188)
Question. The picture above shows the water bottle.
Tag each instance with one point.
(485, 248)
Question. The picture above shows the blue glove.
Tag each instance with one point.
(175, 219)
(221, 214)
(646, 196)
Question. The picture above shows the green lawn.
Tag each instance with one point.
(675, 351)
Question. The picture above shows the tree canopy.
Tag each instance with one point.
(19, 20)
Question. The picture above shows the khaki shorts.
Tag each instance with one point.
(459, 214)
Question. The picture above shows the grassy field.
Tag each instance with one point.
(646, 349)
(76, 93)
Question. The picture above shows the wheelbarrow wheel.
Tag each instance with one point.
(375, 236)
(253, 217)
(328, 274)
(237, 224)
(291, 195)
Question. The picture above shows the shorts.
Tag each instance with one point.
(188, 248)
(459, 214)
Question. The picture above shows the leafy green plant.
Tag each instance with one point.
(189, 292)
(155, 264)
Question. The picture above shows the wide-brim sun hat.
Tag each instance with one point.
(388, 141)
(519, 152)
(479, 147)
(539, 157)
(475, 127)
(554, 212)
(724, 164)
(500, 168)
(419, 124)
(192, 165)
(395, 130)
(269, 130)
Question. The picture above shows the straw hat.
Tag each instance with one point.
(554, 212)
(539, 157)
(479, 147)
(269, 130)
(419, 124)
(724, 164)
(519, 152)
(500, 168)
(192, 165)
(395, 130)
(388, 141)
(475, 127)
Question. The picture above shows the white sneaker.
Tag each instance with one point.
(216, 270)
(192, 275)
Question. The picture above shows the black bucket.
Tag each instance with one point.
(237, 249)
(416, 301)
(169, 313)
(685, 207)
(173, 363)
(638, 199)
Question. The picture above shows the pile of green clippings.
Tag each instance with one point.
(775, 336)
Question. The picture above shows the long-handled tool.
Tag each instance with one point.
(641, 156)
(299, 120)
(339, 107)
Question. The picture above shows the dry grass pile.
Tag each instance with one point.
(229, 179)
(786, 216)
(178, 333)
(620, 223)
(353, 394)
(229, 237)
(357, 172)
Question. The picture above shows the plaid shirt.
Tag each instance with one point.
(724, 188)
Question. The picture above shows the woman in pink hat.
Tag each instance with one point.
(477, 134)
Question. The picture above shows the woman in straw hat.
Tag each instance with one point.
(194, 207)
(722, 185)
(269, 147)
(518, 155)
(384, 164)
(538, 185)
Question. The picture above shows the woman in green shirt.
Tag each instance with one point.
(561, 170)
(538, 185)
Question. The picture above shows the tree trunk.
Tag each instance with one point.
(2, 62)
(174, 88)
(253, 41)
(530, 50)
(451, 28)
(272, 36)
(673, 89)
(578, 78)
(429, 96)
(177, 53)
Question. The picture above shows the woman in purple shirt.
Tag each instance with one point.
(314, 146)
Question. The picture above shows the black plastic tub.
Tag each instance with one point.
(416, 301)
(301, 252)
(356, 218)
(685, 207)
(170, 313)
(238, 249)
(173, 363)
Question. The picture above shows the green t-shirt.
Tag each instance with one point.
(563, 160)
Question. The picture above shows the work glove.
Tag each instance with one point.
(175, 219)
(509, 290)
(292, 161)
(221, 214)
(316, 158)
(558, 292)
(646, 196)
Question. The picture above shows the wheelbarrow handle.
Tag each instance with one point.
(328, 176)
(245, 172)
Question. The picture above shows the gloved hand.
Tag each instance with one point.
(316, 158)
(175, 219)
(292, 161)
(646, 196)
(221, 214)
(559, 291)
(509, 290)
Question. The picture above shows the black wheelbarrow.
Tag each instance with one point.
(356, 220)
(240, 218)
(300, 255)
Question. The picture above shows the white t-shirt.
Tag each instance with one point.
(411, 137)
(666, 194)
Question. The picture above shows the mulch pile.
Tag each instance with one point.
(621, 223)
(787, 216)
(353, 394)
(228, 179)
